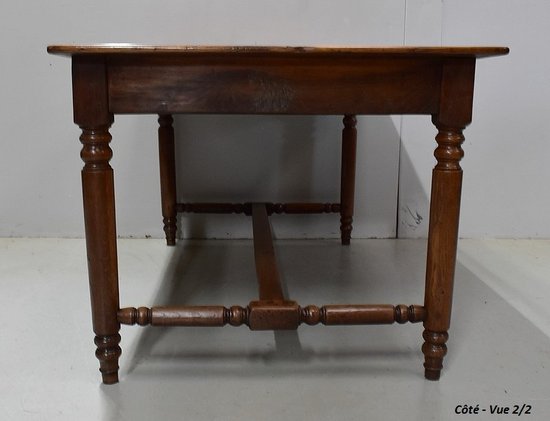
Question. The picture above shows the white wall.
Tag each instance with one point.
(507, 147)
(39, 163)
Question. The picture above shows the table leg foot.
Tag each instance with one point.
(108, 353)
(170, 230)
(345, 230)
(434, 349)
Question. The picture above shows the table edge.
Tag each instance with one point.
(355, 51)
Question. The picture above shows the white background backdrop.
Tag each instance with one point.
(291, 158)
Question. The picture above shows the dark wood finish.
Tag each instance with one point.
(273, 315)
(116, 78)
(246, 208)
(331, 53)
(302, 208)
(265, 315)
(92, 115)
(369, 314)
(167, 165)
(455, 113)
(264, 255)
(347, 186)
(219, 208)
(186, 316)
(200, 316)
(282, 85)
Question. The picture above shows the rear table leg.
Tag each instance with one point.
(347, 188)
(167, 163)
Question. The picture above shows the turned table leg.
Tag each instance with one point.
(99, 216)
(347, 187)
(91, 113)
(442, 243)
(454, 114)
(167, 165)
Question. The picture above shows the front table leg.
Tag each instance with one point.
(99, 217)
(442, 242)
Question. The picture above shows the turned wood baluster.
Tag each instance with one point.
(268, 315)
(246, 208)
(349, 314)
(347, 187)
(184, 316)
(91, 113)
(454, 115)
(443, 235)
(98, 193)
(167, 164)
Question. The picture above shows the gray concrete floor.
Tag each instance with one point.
(499, 346)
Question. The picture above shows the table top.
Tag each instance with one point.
(355, 51)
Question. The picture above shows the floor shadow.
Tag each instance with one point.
(222, 272)
(172, 290)
(201, 273)
(221, 363)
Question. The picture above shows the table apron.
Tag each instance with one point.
(292, 86)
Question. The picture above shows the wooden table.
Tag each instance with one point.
(164, 80)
